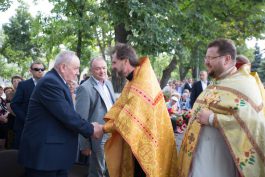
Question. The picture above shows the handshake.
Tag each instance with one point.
(98, 130)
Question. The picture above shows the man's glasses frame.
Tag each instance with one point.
(38, 69)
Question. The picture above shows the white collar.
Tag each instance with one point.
(97, 81)
(62, 78)
(34, 81)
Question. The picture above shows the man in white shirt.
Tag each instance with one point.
(93, 99)
(198, 87)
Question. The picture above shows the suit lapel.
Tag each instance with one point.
(65, 86)
(95, 85)
(31, 85)
(200, 86)
(69, 94)
(100, 93)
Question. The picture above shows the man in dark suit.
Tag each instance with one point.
(93, 99)
(188, 85)
(20, 101)
(49, 140)
(85, 77)
(198, 87)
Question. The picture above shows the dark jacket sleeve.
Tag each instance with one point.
(193, 94)
(17, 103)
(55, 101)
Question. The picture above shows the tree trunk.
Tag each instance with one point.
(80, 11)
(120, 33)
(79, 48)
(120, 37)
(194, 72)
(183, 72)
(79, 43)
(167, 72)
(101, 46)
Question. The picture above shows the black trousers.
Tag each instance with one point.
(40, 173)
(138, 171)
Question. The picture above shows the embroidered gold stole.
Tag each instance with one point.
(238, 105)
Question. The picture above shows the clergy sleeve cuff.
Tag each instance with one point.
(108, 127)
(215, 121)
(211, 119)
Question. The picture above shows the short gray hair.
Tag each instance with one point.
(64, 57)
(93, 59)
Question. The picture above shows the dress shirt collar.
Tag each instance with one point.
(35, 81)
(98, 82)
(62, 78)
(205, 82)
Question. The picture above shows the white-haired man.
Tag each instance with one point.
(49, 139)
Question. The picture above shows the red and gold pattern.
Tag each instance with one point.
(140, 126)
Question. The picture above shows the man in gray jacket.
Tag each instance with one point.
(93, 99)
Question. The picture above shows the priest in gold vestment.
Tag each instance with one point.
(225, 137)
(142, 140)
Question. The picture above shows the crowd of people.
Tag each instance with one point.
(7, 116)
(50, 117)
(14, 104)
(180, 97)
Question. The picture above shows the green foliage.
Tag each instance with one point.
(159, 63)
(7, 70)
(261, 71)
(257, 60)
(81, 26)
(172, 30)
(148, 23)
(4, 5)
(177, 27)
(18, 46)
(258, 64)
(248, 52)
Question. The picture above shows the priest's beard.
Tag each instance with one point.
(212, 74)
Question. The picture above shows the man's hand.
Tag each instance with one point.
(98, 130)
(86, 151)
(203, 116)
(3, 119)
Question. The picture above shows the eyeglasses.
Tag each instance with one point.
(38, 69)
(211, 58)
